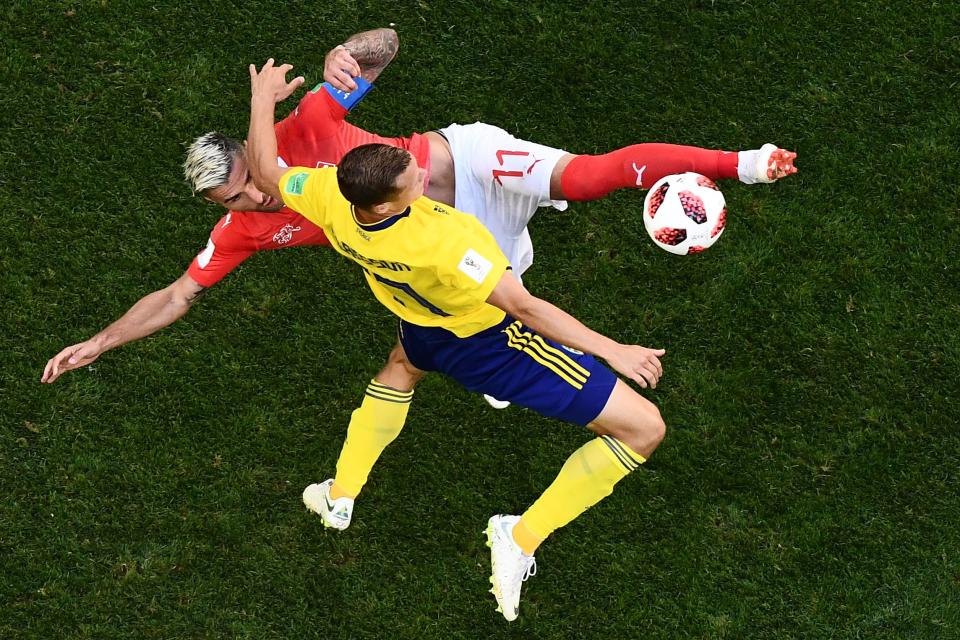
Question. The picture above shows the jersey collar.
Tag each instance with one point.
(383, 224)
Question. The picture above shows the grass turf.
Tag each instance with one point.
(808, 484)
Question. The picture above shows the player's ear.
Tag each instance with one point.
(381, 209)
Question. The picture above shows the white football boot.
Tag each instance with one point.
(335, 514)
(767, 164)
(496, 404)
(511, 566)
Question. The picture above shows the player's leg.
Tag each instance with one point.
(502, 180)
(516, 364)
(588, 177)
(630, 429)
(506, 179)
(376, 423)
(373, 426)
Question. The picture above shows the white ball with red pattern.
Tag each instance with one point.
(684, 213)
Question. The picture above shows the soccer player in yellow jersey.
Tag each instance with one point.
(462, 312)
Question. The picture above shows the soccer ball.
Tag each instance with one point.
(684, 213)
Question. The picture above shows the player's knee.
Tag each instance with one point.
(657, 428)
(645, 433)
(398, 357)
(399, 372)
(631, 419)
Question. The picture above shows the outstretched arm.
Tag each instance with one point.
(364, 54)
(267, 88)
(640, 364)
(151, 313)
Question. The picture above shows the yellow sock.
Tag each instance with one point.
(587, 477)
(372, 427)
(526, 539)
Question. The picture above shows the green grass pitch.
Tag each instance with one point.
(809, 485)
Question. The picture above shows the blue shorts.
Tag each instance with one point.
(512, 362)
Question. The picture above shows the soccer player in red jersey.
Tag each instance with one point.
(477, 168)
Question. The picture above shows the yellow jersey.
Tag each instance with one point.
(431, 265)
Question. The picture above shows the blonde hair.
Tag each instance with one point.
(209, 160)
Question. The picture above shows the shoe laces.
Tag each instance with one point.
(530, 570)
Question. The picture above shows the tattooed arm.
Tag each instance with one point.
(151, 313)
(364, 54)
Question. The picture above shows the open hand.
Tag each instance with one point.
(271, 82)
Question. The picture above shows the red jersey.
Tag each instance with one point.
(314, 135)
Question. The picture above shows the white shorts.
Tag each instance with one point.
(502, 181)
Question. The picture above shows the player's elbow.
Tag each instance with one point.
(510, 296)
(257, 173)
(267, 179)
(384, 41)
(522, 306)
(392, 41)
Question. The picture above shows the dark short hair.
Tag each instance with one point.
(367, 175)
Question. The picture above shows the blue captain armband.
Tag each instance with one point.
(348, 100)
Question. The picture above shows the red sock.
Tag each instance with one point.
(639, 166)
